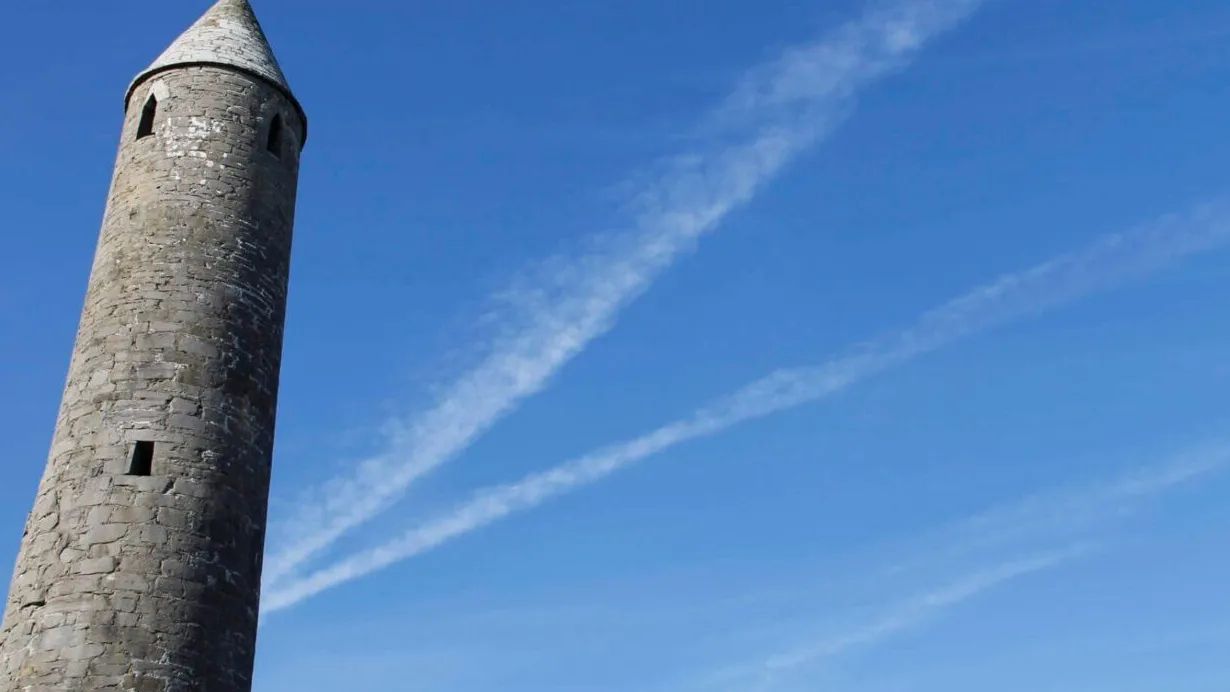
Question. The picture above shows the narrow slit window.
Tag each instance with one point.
(142, 459)
(274, 145)
(146, 127)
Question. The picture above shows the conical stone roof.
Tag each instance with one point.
(228, 35)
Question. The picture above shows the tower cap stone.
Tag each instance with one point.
(227, 35)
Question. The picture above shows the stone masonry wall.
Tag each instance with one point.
(151, 583)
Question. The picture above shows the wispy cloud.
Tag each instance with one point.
(980, 550)
(776, 112)
(1085, 508)
(1067, 513)
(908, 615)
(1106, 263)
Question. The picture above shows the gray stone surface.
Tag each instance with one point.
(228, 34)
(152, 583)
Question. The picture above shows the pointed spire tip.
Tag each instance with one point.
(227, 34)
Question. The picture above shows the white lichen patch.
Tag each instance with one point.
(180, 141)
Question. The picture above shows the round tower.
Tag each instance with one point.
(140, 565)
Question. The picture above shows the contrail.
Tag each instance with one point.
(915, 612)
(767, 673)
(1108, 262)
(776, 112)
(1058, 517)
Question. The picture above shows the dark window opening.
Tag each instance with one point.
(275, 136)
(146, 128)
(142, 459)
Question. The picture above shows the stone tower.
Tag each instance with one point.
(140, 565)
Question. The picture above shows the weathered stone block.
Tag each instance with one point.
(105, 533)
(102, 565)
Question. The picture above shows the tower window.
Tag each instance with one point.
(146, 127)
(142, 463)
(274, 144)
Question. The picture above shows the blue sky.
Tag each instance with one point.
(708, 345)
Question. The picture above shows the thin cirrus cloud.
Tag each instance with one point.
(1067, 513)
(782, 669)
(910, 614)
(976, 555)
(1108, 262)
(1055, 517)
(776, 112)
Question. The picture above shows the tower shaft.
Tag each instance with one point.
(141, 560)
